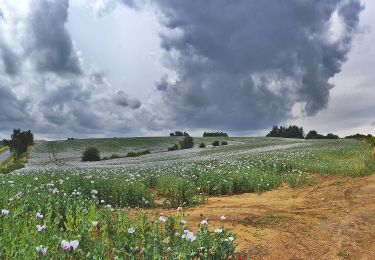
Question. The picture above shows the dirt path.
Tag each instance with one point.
(334, 219)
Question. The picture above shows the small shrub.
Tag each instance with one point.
(187, 143)
(216, 143)
(224, 143)
(137, 154)
(202, 145)
(115, 156)
(131, 154)
(173, 148)
(91, 154)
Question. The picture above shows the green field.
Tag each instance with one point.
(72, 195)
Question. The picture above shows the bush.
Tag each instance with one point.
(224, 143)
(91, 154)
(216, 143)
(187, 143)
(137, 154)
(115, 156)
(202, 145)
(173, 148)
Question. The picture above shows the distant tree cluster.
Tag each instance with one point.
(215, 134)
(358, 136)
(314, 135)
(71, 139)
(19, 142)
(5, 142)
(292, 131)
(179, 133)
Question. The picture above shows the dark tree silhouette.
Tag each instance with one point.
(20, 141)
(287, 132)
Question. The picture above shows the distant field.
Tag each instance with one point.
(65, 189)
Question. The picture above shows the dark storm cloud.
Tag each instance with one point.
(13, 111)
(244, 64)
(120, 98)
(163, 84)
(50, 44)
(10, 60)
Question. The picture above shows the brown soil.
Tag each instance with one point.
(334, 219)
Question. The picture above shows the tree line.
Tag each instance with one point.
(294, 131)
(179, 133)
(215, 134)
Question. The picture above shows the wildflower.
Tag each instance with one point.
(95, 223)
(230, 238)
(4, 212)
(41, 250)
(179, 209)
(189, 236)
(38, 216)
(183, 222)
(222, 218)
(41, 228)
(162, 219)
(69, 246)
(131, 230)
(204, 222)
(94, 192)
(218, 230)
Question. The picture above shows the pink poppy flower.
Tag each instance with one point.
(69, 245)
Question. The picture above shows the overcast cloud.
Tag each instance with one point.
(236, 66)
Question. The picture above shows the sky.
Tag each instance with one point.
(104, 68)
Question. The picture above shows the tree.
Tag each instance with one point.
(187, 143)
(6, 142)
(215, 134)
(314, 135)
(331, 136)
(292, 131)
(20, 141)
(91, 154)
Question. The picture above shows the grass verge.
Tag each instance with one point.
(10, 165)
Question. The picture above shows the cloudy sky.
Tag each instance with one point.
(103, 68)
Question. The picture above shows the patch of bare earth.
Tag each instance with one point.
(334, 219)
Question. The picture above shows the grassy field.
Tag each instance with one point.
(87, 201)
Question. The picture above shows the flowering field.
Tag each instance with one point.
(59, 207)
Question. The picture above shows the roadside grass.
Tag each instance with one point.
(9, 165)
(3, 148)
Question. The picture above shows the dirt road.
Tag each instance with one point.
(334, 219)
